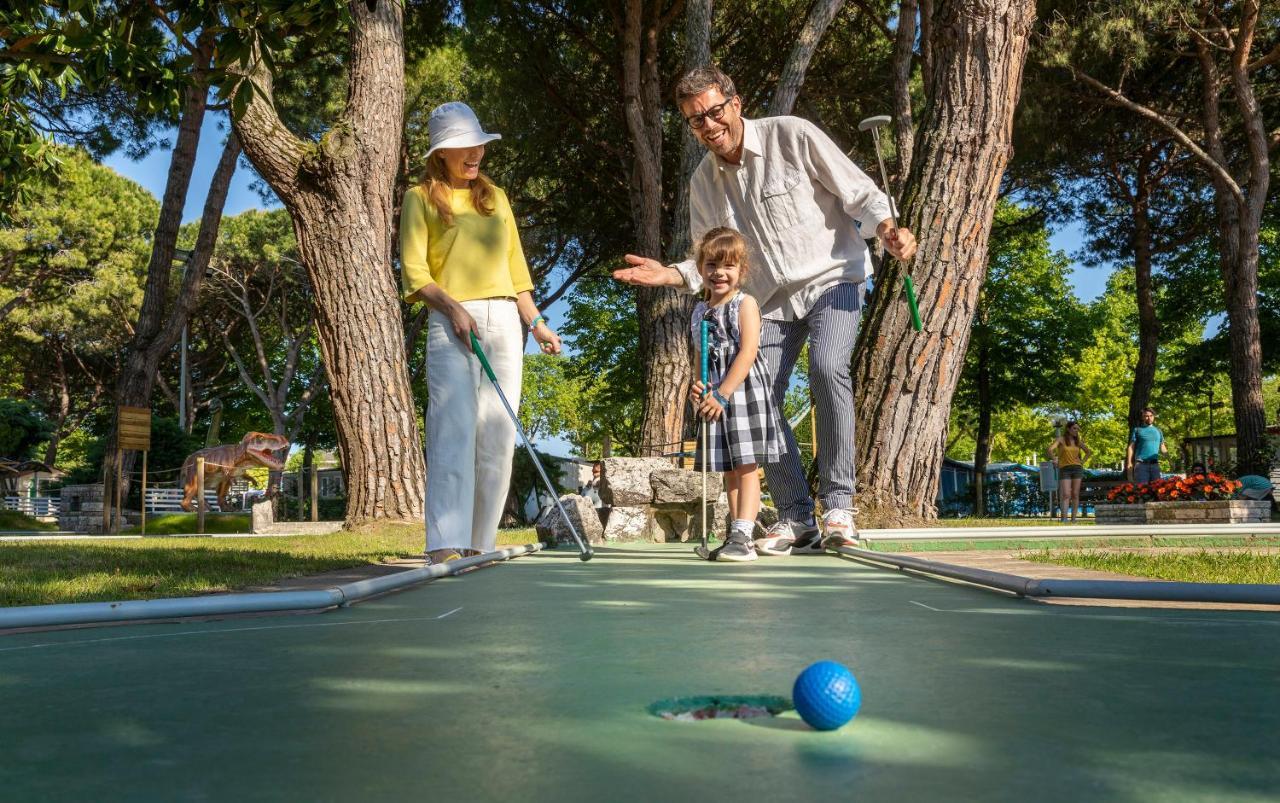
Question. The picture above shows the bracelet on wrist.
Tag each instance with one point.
(540, 318)
(715, 394)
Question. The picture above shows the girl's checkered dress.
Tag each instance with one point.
(750, 431)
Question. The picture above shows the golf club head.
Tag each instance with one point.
(705, 553)
(879, 121)
(586, 555)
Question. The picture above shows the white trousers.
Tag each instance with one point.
(470, 437)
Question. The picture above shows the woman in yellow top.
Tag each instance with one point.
(1068, 453)
(460, 254)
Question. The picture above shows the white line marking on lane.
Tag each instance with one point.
(450, 613)
(221, 630)
(930, 607)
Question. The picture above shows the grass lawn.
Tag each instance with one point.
(13, 520)
(1201, 566)
(1032, 545)
(39, 573)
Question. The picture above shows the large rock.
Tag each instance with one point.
(263, 516)
(680, 486)
(552, 528)
(624, 482)
(632, 524)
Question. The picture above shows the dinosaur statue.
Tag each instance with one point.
(222, 464)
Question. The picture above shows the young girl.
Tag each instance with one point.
(1066, 452)
(745, 425)
(461, 254)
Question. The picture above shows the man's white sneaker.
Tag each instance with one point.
(839, 529)
(788, 537)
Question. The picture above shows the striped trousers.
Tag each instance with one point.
(831, 327)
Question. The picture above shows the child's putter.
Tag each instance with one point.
(702, 550)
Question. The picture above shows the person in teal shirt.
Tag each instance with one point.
(1146, 444)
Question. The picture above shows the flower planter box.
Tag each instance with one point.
(1223, 511)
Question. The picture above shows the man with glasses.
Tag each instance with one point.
(806, 212)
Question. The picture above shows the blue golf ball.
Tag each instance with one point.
(826, 695)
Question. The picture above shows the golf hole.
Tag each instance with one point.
(693, 709)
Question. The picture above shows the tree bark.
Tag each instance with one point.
(904, 126)
(697, 53)
(340, 193)
(663, 313)
(1144, 374)
(815, 26)
(906, 379)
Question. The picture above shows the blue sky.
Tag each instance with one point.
(150, 172)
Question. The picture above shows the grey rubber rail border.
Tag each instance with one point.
(90, 613)
(1155, 590)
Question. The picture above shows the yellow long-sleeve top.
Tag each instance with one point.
(479, 256)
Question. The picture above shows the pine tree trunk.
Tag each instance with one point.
(663, 313)
(906, 379)
(160, 320)
(903, 58)
(697, 53)
(1144, 374)
(340, 195)
(793, 72)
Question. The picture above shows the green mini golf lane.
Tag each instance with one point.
(531, 681)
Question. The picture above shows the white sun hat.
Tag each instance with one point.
(455, 125)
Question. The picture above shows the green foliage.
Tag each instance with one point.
(22, 429)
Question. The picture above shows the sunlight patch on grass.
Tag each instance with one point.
(42, 573)
(1202, 566)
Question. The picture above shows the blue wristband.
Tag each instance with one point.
(534, 323)
(715, 394)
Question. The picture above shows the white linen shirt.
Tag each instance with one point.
(799, 203)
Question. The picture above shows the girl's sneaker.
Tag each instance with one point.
(737, 547)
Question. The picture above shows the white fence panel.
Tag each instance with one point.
(33, 506)
(169, 500)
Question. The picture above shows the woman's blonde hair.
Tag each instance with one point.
(722, 244)
(440, 189)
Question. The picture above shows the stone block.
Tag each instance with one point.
(263, 515)
(678, 485)
(552, 528)
(630, 524)
(674, 524)
(624, 481)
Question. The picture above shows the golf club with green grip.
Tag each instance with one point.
(703, 551)
(874, 124)
(584, 549)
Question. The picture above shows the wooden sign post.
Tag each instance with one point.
(133, 431)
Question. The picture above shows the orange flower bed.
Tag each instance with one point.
(1196, 488)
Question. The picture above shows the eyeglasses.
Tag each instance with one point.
(715, 113)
